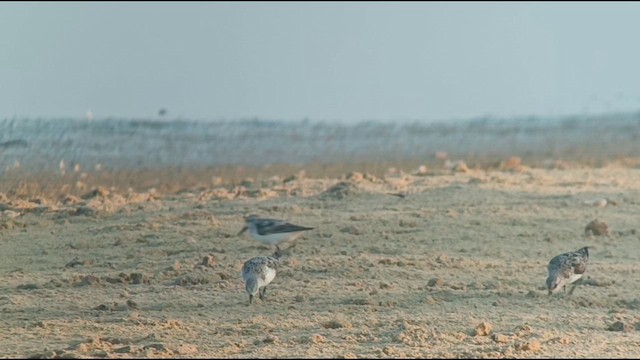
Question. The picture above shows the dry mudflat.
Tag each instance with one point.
(431, 263)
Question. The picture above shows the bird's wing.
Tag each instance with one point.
(560, 265)
(578, 263)
(270, 226)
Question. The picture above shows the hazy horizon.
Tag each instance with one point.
(345, 62)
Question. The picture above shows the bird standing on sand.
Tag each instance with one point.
(272, 231)
(257, 273)
(566, 268)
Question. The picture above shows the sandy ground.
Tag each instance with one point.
(455, 267)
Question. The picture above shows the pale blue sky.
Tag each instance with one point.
(322, 61)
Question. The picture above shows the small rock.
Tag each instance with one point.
(385, 286)
(523, 330)
(224, 276)
(597, 228)
(351, 230)
(340, 191)
(85, 211)
(139, 278)
(462, 287)
(113, 280)
(186, 349)
(475, 286)
(29, 286)
(293, 177)
(89, 280)
(75, 262)
(532, 345)
(391, 352)
(500, 338)
(102, 307)
(355, 176)
(337, 324)
(317, 339)
(483, 329)
(620, 326)
(371, 177)
(408, 223)
(271, 340)
(435, 282)
(156, 346)
(209, 260)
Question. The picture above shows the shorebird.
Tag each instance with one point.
(566, 268)
(272, 231)
(257, 273)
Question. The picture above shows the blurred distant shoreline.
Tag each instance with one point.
(142, 153)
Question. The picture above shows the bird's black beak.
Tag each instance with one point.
(244, 228)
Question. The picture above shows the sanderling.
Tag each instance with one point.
(257, 273)
(272, 231)
(566, 268)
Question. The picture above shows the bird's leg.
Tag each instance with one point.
(264, 291)
(573, 288)
(250, 299)
(277, 253)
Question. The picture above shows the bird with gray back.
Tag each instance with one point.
(272, 231)
(566, 269)
(257, 273)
